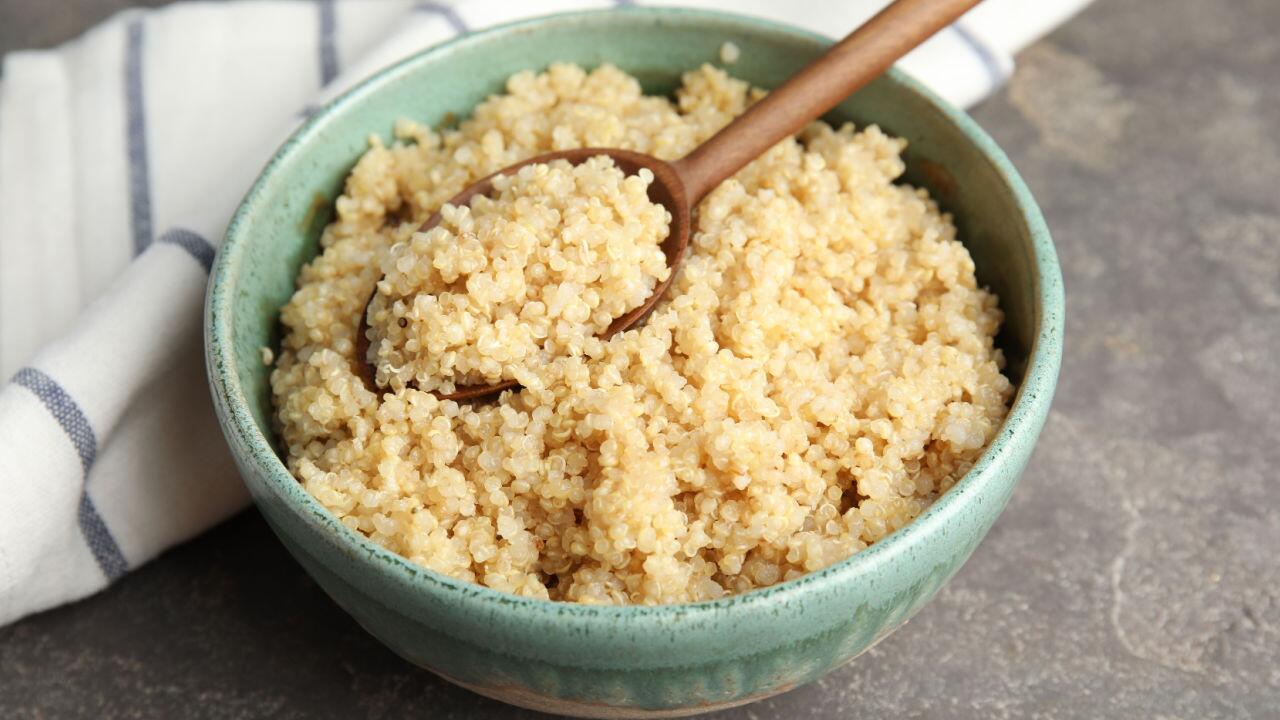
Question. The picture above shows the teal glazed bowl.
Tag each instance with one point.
(627, 661)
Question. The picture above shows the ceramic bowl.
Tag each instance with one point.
(627, 661)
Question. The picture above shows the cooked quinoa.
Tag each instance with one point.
(729, 53)
(821, 369)
(508, 283)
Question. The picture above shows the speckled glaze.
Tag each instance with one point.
(628, 661)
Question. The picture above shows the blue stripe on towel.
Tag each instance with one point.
(64, 410)
(328, 44)
(195, 245)
(98, 536)
(76, 426)
(447, 12)
(995, 74)
(136, 138)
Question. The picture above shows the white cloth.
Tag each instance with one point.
(123, 155)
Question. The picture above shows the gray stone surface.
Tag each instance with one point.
(1134, 573)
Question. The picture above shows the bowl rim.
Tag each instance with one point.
(1025, 417)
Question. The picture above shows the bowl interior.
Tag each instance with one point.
(287, 210)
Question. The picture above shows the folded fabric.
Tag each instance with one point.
(123, 155)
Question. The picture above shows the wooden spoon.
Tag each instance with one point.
(680, 185)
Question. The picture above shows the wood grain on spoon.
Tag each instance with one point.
(680, 185)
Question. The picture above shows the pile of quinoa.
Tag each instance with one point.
(511, 281)
(820, 371)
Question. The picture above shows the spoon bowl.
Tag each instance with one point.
(667, 189)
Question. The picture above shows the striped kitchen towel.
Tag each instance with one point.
(122, 157)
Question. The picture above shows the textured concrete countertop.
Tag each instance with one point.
(1134, 573)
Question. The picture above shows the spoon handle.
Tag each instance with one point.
(819, 86)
